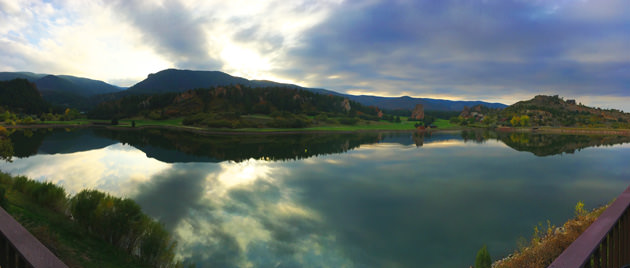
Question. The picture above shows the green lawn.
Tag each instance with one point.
(74, 122)
(177, 122)
(443, 123)
(147, 122)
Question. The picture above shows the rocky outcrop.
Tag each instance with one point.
(346, 105)
(418, 112)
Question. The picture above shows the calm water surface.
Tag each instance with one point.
(335, 200)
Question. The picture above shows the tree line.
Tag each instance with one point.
(225, 106)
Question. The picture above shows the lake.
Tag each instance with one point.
(335, 200)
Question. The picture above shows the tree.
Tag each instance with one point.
(487, 120)
(515, 121)
(524, 120)
(483, 259)
(71, 114)
(6, 147)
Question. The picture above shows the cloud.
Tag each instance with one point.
(489, 50)
(182, 184)
(469, 49)
(77, 38)
(171, 28)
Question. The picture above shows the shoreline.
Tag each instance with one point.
(265, 131)
(566, 130)
(209, 131)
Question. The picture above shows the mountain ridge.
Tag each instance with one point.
(176, 80)
(64, 90)
(84, 93)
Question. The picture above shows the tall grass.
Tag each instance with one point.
(548, 242)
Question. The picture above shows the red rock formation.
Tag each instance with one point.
(418, 112)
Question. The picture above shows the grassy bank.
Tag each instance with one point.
(549, 241)
(89, 238)
(176, 123)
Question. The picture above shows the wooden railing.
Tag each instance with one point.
(606, 243)
(18, 248)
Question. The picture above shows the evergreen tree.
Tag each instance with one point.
(483, 259)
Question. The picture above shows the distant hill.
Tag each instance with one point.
(547, 111)
(556, 111)
(173, 80)
(64, 90)
(20, 95)
(408, 103)
(5, 76)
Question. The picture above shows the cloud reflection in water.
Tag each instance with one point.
(383, 204)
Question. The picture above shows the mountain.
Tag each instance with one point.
(64, 90)
(408, 103)
(5, 76)
(173, 80)
(83, 93)
(20, 95)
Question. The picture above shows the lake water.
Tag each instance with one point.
(335, 200)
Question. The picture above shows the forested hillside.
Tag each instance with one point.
(64, 90)
(22, 96)
(232, 107)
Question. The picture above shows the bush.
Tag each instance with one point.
(195, 119)
(548, 243)
(156, 246)
(46, 194)
(50, 195)
(122, 223)
(6, 179)
(118, 221)
(19, 183)
(289, 120)
(348, 120)
(84, 205)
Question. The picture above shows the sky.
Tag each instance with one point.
(491, 50)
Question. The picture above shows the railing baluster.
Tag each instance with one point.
(622, 239)
(597, 258)
(605, 252)
(617, 246)
(3, 251)
(626, 253)
(12, 261)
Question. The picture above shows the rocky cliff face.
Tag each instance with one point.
(346, 105)
(418, 112)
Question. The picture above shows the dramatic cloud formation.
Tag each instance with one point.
(489, 50)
